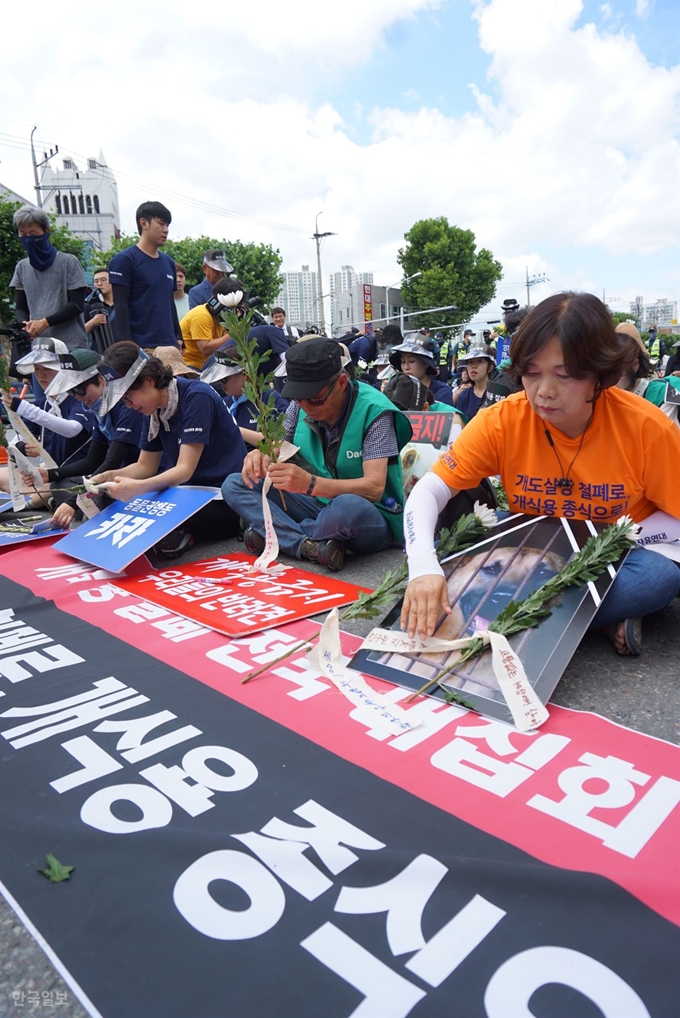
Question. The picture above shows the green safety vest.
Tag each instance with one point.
(343, 458)
(444, 352)
(655, 350)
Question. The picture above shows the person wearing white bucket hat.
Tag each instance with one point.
(190, 439)
(60, 422)
(227, 378)
(115, 436)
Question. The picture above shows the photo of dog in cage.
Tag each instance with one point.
(481, 583)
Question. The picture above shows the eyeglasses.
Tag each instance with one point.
(320, 400)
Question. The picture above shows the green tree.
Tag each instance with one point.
(624, 316)
(257, 265)
(11, 252)
(452, 271)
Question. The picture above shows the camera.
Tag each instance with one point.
(250, 304)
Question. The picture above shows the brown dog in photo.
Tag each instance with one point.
(480, 587)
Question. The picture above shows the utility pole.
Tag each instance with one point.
(542, 278)
(37, 165)
(318, 237)
(611, 298)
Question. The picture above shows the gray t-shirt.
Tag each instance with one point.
(47, 292)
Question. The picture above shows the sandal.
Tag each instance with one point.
(632, 636)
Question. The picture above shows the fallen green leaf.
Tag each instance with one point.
(55, 872)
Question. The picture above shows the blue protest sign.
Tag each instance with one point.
(502, 348)
(117, 536)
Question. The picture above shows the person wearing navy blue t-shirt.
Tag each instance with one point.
(189, 427)
(144, 281)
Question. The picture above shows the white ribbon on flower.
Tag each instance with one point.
(327, 657)
(26, 467)
(15, 485)
(271, 541)
(523, 703)
(26, 435)
(86, 506)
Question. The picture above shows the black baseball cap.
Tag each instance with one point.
(310, 366)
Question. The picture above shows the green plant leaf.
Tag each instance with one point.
(55, 871)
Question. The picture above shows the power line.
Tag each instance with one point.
(14, 141)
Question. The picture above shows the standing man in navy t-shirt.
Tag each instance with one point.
(144, 282)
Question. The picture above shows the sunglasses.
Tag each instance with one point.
(320, 400)
(79, 390)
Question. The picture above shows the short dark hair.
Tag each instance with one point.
(278, 311)
(513, 319)
(228, 285)
(583, 326)
(152, 210)
(180, 268)
(634, 351)
(121, 356)
(101, 268)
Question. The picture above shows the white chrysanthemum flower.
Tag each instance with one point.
(631, 528)
(485, 515)
(230, 300)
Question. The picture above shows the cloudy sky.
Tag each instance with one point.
(545, 126)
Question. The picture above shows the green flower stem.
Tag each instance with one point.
(466, 531)
(599, 552)
(291, 650)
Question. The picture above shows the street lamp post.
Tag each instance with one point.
(318, 237)
(387, 298)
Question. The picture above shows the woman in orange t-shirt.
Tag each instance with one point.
(570, 445)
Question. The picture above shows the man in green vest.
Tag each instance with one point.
(343, 489)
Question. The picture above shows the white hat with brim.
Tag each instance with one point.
(44, 350)
(476, 353)
(417, 350)
(116, 386)
(280, 370)
(220, 369)
(68, 378)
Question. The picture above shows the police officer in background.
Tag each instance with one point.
(445, 356)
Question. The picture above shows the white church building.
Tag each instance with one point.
(85, 200)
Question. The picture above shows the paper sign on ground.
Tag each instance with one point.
(227, 595)
(125, 530)
(432, 432)
(523, 553)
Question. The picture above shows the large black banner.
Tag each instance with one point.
(225, 865)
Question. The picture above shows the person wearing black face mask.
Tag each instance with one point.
(49, 285)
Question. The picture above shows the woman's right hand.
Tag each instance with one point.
(255, 467)
(425, 599)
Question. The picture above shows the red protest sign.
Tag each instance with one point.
(226, 595)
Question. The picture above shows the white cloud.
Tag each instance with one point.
(643, 8)
(569, 144)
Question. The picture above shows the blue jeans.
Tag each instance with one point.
(348, 518)
(646, 583)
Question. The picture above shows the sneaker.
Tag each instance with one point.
(175, 544)
(329, 553)
(253, 542)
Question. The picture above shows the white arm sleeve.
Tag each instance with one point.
(60, 425)
(423, 506)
